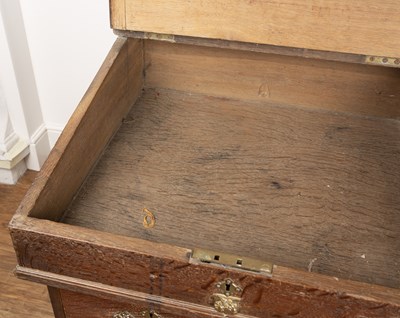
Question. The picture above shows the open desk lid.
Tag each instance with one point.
(366, 27)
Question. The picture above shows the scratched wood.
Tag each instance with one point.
(127, 269)
(312, 190)
(81, 305)
(310, 83)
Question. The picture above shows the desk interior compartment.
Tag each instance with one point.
(281, 158)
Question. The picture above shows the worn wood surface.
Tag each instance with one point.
(318, 187)
(167, 305)
(303, 189)
(56, 302)
(80, 305)
(117, 14)
(162, 270)
(108, 99)
(250, 47)
(17, 298)
(106, 299)
(315, 84)
(361, 27)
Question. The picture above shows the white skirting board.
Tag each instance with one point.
(12, 163)
(30, 156)
(42, 141)
(53, 132)
(11, 176)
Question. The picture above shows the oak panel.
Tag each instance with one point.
(106, 102)
(309, 83)
(125, 266)
(357, 26)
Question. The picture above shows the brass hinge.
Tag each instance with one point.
(383, 61)
(159, 37)
(229, 260)
(144, 314)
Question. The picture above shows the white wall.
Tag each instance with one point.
(68, 41)
(18, 81)
(49, 53)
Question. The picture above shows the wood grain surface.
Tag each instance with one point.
(303, 187)
(17, 298)
(88, 306)
(361, 27)
(89, 299)
(312, 190)
(56, 302)
(251, 47)
(120, 268)
(117, 14)
(315, 84)
(110, 96)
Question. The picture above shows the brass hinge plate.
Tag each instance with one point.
(383, 61)
(229, 260)
(159, 37)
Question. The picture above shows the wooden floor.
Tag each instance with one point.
(17, 298)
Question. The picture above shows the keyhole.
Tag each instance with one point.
(228, 285)
(148, 219)
(151, 314)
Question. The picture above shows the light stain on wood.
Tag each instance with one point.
(361, 27)
(117, 14)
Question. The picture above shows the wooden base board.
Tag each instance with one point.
(314, 190)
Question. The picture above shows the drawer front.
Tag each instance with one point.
(87, 306)
(358, 27)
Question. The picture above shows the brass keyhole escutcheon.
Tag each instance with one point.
(227, 299)
(150, 314)
(226, 304)
(149, 220)
(228, 287)
(143, 314)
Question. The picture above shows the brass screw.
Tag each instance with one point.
(385, 60)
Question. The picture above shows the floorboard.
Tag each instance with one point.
(17, 298)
